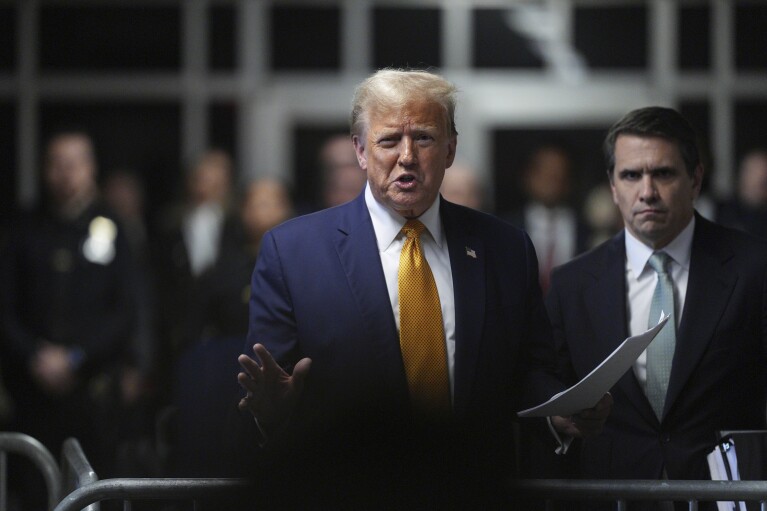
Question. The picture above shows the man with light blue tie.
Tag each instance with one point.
(707, 370)
(397, 335)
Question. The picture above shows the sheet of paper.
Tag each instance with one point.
(587, 392)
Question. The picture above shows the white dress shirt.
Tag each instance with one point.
(553, 232)
(388, 226)
(202, 234)
(641, 280)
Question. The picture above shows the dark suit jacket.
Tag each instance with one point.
(719, 369)
(318, 290)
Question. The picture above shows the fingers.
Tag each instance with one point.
(248, 383)
(300, 370)
(267, 361)
(250, 366)
(590, 422)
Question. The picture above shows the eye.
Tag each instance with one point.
(388, 141)
(423, 139)
(630, 175)
(664, 173)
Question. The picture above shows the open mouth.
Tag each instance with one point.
(406, 178)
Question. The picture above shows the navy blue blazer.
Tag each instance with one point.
(318, 291)
(719, 372)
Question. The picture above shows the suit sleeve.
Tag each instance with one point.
(272, 319)
(561, 355)
(542, 375)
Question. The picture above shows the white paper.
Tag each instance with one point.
(587, 392)
(719, 473)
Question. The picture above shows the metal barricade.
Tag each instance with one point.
(622, 491)
(76, 470)
(25, 445)
(128, 490)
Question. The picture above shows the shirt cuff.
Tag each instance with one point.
(262, 438)
(563, 443)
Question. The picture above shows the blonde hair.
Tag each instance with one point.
(395, 88)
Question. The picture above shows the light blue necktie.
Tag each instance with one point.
(660, 352)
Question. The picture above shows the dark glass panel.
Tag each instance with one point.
(406, 38)
(750, 37)
(497, 45)
(222, 31)
(109, 38)
(695, 37)
(222, 127)
(305, 38)
(7, 38)
(612, 37)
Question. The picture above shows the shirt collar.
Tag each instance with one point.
(637, 253)
(387, 224)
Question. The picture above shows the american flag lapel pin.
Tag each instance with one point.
(471, 253)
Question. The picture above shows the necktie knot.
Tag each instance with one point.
(659, 262)
(413, 228)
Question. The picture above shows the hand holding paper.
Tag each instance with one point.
(587, 393)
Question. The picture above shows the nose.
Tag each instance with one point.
(648, 191)
(407, 155)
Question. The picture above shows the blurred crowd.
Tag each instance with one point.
(123, 330)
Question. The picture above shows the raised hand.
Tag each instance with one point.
(272, 393)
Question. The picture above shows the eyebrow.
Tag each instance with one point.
(662, 168)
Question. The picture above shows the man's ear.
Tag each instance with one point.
(451, 148)
(359, 149)
(697, 179)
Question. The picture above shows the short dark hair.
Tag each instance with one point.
(654, 121)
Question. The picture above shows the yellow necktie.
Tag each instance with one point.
(422, 334)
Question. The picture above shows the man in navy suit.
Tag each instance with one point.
(325, 313)
(717, 364)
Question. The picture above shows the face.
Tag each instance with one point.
(266, 205)
(69, 169)
(405, 153)
(753, 180)
(651, 187)
(209, 181)
(548, 178)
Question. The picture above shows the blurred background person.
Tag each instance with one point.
(342, 177)
(463, 185)
(553, 224)
(747, 211)
(190, 238)
(67, 308)
(205, 443)
(601, 216)
(133, 423)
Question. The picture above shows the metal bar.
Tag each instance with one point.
(653, 490)
(76, 470)
(150, 489)
(28, 447)
(3, 481)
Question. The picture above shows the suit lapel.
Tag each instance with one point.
(709, 287)
(467, 263)
(358, 253)
(606, 303)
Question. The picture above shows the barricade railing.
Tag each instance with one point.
(622, 491)
(76, 470)
(37, 453)
(129, 490)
